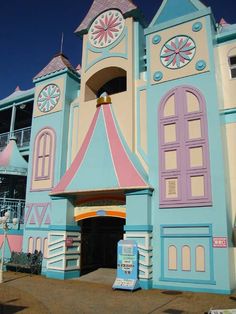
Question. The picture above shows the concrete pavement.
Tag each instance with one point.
(21, 293)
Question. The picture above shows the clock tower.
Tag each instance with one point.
(56, 86)
(111, 32)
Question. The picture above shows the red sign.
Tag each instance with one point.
(220, 242)
(69, 242)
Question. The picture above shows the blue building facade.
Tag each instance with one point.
(137, 144)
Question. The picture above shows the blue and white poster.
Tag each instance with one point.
(127, 266)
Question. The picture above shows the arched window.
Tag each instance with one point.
(44, 155)
(172, 258)
(186, 258)
(232, 64)
(112, 80)
(183, 149)
(200, 258)
(45, 247)
(43, 162)
(38, 244)
(30, 245)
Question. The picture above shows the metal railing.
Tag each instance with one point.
(16, 207)
(22, 138)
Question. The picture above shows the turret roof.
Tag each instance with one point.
(18, 93)
(99, 6)
(172, 9)
(11, 160)
(59, 62)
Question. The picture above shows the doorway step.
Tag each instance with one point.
(105, 276)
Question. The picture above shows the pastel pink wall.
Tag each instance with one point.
(13, 241)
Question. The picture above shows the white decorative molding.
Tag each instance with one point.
(145, 251)
(63, 253)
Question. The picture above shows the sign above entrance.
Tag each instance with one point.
(127, 266)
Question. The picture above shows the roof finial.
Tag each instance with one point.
(78, 69)
(223, 22)
(17, 88)
(104, 99)
(62, 42)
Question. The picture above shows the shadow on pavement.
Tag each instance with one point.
(13, 279)
(173, 311)
(10, 309)
(172, 292)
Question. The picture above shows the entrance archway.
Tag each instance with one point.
(99, 242)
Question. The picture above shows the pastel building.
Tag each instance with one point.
(138, 143)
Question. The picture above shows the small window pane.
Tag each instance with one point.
(170, 133)
(194, 129)
(233, 73)
(197, 186)
(232, 60)
(172, 258)
(46, 166)
(196, 157)
(41, 145)
(172, 188)
(192, 103)
(169, 109)
(186, 258)
(38, 244)
(45, 247)
(48, 145)
(200, 258)
(171, 160)
(40, 167)
(31, 245)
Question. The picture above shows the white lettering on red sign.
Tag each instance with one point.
(220, 242)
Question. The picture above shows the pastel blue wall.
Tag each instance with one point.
(216, 215)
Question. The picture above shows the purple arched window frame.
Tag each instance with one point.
(182, 145)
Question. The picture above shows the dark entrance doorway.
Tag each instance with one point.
(99, 242)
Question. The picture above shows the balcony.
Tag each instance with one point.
(16, 207)
(22, 136)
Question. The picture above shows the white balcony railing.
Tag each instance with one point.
(22, 138)
(16, 207)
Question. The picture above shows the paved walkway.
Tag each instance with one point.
(21, 293)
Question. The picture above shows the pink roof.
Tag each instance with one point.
(11, 161)
(223, 22)
(59, 62)
(99, 6)
(17, 93)
(127, 174)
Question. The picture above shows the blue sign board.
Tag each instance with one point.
(127, 266)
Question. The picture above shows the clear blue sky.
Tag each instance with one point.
(30, 34)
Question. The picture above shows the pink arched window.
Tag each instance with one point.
(44, 154)
(184, 172)
(30, 245)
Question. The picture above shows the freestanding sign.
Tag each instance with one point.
(127, 266)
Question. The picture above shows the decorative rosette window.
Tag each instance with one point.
(106, 28)
(178, 52)
(48, 98)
